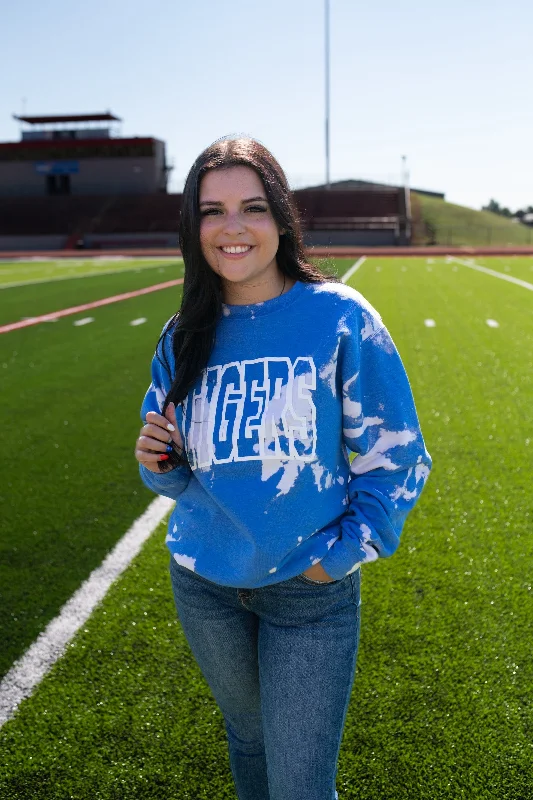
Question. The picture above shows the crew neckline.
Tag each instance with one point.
(265, 307)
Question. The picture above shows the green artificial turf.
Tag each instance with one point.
(516, 266)
(38, 269)
(71, 396)
(43, 298)
(126, 713)
(441, 706)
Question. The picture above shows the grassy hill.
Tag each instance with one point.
(438, 222)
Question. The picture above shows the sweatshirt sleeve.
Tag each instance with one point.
(174, 482)
(391, 463)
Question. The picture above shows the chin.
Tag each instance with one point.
(232, 276)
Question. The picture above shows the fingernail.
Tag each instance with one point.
(170, 427)
(163, 458)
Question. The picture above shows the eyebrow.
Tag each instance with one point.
(218, 203)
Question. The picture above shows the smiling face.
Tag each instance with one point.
(238, 234)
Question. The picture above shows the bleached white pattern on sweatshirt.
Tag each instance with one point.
(288, 478)
(355, 566)
(329, 371)
(372, 325)
(290, 471)
(402, 491)
(421, 472)
(185, 561)
(348, 292)
(159, 396)
(371, 552)
(318, 472)
(332, 541)
(377, 455)
(354, 433)
(383, 339)
(350, 408)
(170, 538)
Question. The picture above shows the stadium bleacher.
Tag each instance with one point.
(65, 185)
(327, 216)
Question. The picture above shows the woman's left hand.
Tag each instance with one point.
(318, 573)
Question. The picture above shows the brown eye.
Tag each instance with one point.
(256, 208)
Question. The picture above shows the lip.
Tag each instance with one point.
(236, 256)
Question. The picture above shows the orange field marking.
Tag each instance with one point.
(65, 312)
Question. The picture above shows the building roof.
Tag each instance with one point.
(64, 145)
(352, 184)
(106, 117)
(346, 185)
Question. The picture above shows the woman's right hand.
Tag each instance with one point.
(156, 436)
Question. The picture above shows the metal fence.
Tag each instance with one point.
(473, 234)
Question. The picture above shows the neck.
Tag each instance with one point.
(242, 294)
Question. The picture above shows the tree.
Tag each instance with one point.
(494, 207)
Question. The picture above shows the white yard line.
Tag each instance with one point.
(50, 645)
(72, 277)
(495, 274)
(85, 260)
(347, 275)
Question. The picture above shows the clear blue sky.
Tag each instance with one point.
(446, 83)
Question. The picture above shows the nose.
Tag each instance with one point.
(234, 224)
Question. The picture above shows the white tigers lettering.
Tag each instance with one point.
(252, 410)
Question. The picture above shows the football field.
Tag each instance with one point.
(442, 699)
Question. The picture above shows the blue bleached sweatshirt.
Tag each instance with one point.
(293, 386)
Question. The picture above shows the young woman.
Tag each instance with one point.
(266, 379)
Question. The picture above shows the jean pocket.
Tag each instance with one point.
(304, 579)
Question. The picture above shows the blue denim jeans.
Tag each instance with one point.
(280, 662)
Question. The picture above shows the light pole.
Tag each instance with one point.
(405, 173)
(407, 196)
(327, 90)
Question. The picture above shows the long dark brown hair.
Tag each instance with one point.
(194, 326)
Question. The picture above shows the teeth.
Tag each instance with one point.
(239, 249)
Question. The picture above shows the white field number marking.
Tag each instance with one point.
(84, 321)
(430, 323)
